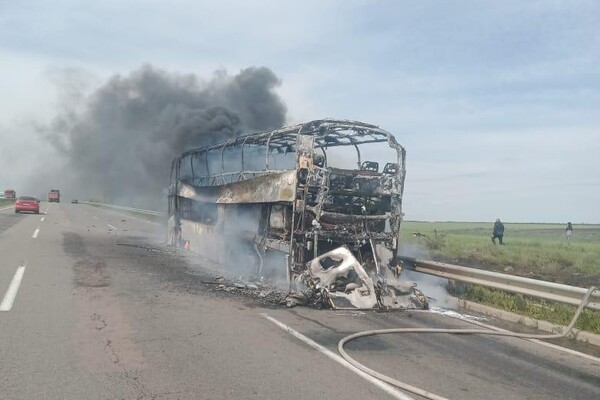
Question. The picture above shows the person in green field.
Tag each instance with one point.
(498, 232)
(569, 231)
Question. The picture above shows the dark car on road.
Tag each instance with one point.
(27, 203)
(74, 201)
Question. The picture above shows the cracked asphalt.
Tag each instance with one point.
(104, 313)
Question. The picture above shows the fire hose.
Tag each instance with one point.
(433, 396)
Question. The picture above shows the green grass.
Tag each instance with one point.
(557, 313)
(5, 203)
(533, 250)
(538, 251)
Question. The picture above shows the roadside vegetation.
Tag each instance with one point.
(557, 313)
(538, 251)
(6, 202)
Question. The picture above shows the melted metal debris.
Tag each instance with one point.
(338, 280)
(263, 291)
(334, 280)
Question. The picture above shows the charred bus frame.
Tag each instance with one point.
(275, 193)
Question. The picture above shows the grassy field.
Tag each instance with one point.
(5, 203)
(538, 251)
(531, 250)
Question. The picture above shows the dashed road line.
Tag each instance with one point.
(35, 233)
(42, 219)
(389, 389)
(112, 227)
(13, 288)
(93, 216)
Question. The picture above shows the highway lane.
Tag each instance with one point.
(14, 252)
(454, 366)
(102, 313)
(94, 319)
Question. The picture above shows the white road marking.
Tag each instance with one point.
(42, 220)
(36, 233)
(13, 288)
(93, 216)
(536, 341)
(392, 391)
(112, 227)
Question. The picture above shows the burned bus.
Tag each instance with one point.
(311, 204)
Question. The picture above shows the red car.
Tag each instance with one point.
(27, 203)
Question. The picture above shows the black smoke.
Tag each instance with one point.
(118, 142)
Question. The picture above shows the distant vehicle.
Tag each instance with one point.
(27, 203)
(74, 201)
(10, 194)
(54, 196)
(1, 195)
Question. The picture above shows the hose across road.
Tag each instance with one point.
(433, 396)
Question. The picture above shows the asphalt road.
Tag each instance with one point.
(101, 312)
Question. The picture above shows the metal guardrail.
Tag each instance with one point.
(123, 208)
(510, 283)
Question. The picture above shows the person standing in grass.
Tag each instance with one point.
(569, 230)
(498, 231)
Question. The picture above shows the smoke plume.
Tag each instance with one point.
(119, 141)
(432, 286)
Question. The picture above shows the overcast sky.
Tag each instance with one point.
(497, 103)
